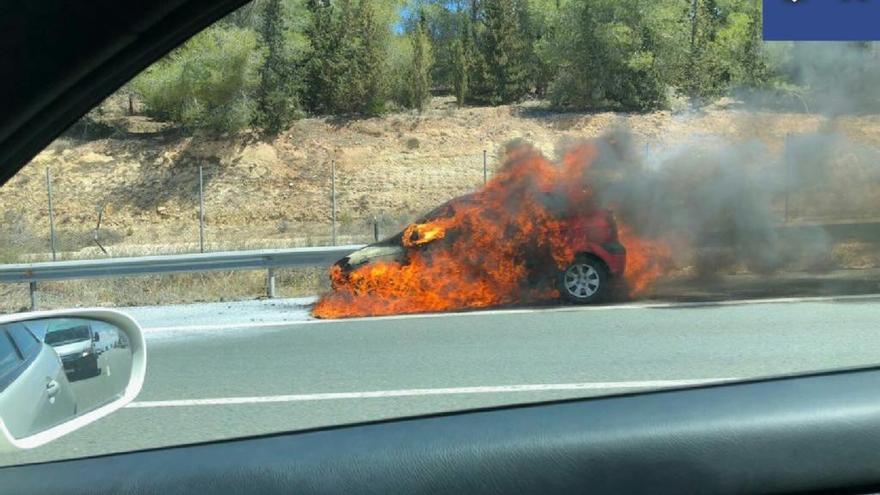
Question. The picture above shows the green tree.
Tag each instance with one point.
(607, 58)
(504, 50)
(419, 74)
(399, 61)
(349, 87)
(441, 21)
(322, 65)
(542, 24)
(206, 84)
(373, 59)
(724, 49)
(756, 68)
(705, 77)
(461, 67)
(277, 101)
(346, 66)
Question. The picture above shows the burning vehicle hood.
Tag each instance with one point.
(395, 247)
(374, 252)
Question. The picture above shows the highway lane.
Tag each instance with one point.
(555, 351)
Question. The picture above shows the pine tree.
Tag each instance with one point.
(322, 64)
(702, 74)
(504, 50)
(372, 60)
(276, 98)
(420, 68)
(354, 82)
(460, 70)
(347, 88)
(463, 61)
(755, 65)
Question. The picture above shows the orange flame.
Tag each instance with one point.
(646, 260)
(532, 212)
(419, 234)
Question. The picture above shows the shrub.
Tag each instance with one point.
(208, 83)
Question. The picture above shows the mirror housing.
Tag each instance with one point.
(129, 338)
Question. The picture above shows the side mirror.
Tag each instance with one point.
(55, 378)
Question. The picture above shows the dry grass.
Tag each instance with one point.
(164, 289)
(857, 255)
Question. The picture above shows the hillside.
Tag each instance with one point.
(277, 193)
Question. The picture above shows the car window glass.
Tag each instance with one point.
(424, 206)
(61, 336)
(27, 344)
(9, 356)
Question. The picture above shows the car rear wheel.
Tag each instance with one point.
(584, 281)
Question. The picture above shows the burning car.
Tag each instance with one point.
(535, 231)
(596, 263)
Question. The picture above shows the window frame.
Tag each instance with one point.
(24, 362)
(37, 343)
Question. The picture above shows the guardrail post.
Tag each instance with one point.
(270, 283)
(33, 290)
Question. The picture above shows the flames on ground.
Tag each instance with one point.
(487, 242)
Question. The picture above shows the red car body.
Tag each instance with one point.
(592, 236)
(595, 234)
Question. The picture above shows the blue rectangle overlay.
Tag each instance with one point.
(825, 20)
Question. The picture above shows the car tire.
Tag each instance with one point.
(584, 281)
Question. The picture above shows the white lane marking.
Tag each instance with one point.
(477, 312)
(227, 326)
(419, 392)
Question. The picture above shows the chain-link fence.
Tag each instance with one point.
(218, 207)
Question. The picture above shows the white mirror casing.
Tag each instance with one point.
(125, 338)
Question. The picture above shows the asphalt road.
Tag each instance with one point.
(225, 381)
(94, 390)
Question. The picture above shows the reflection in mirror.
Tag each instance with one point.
(55, 369)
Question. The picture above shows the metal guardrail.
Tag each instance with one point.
(268, 259)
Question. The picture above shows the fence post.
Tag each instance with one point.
(485, 169)
(270, 283)
(333, 199)
(32, 287)
(51, 213)
(201, 212)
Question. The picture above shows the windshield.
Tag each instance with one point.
(61, 336)
(331, 212)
